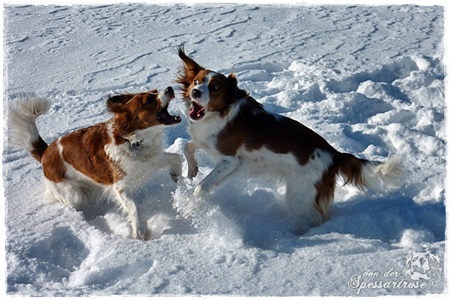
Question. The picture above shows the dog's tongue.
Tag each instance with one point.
(197, 111)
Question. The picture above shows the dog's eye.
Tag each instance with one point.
(214, 87)
(196, 82)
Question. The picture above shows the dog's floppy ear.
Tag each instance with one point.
(232, 79)
(188, 71)
(116, 104)
(190, 65)
(234, 92)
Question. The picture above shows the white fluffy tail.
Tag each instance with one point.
(22, 116)
(387, 176)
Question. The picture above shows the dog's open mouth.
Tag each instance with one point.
(196, 112)
(167, 119)
(163, 115)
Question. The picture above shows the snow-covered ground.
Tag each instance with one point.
(370, 79)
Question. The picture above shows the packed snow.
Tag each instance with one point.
(370, 79)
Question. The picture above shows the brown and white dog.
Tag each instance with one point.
(107, 160)
(236, 131)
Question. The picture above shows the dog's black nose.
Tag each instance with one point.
(169, 91)
(196, 93)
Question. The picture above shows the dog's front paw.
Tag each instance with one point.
(142, 233)
(175, 172)
(175, 176)
(199, 193)
(192, 172)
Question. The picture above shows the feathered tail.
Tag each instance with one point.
(22, 116)
(387, 176)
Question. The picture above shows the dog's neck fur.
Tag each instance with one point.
(141, 145)
(146, 145)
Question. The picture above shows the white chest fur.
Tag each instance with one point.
(139, 157)
(205, 133)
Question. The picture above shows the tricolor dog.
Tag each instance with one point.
(107, 160)
(237, 132)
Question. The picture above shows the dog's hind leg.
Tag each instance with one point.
(301, 207)
(68, 193)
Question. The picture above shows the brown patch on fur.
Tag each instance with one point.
(240, 131)
(254, 128)
(52, 164)
(351, 167)
(84, 150)
(223, 93)
(39, 148)
(325, 191)
(345, 164)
